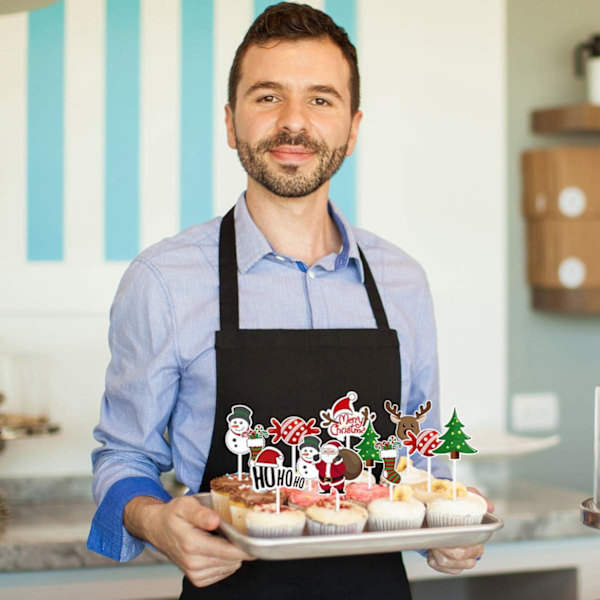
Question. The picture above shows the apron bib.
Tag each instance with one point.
(284, 372)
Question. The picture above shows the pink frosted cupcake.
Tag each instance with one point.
(302, 499)
(359, 493)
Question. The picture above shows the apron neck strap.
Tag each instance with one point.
(228, 282)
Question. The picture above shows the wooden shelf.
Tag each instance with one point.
(574, 302)
(566, 119)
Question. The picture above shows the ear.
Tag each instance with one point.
(230, 127)
(352, 138)
(420, 419)
(394, 419)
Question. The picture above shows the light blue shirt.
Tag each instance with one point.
(162, 374)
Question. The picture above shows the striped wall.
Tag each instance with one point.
(120, 100)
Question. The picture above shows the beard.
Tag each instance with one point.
(285, 180)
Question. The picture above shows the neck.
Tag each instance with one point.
(298, 227)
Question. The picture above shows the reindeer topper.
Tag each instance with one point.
(408, 422)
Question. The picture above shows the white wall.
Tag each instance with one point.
(431, 179)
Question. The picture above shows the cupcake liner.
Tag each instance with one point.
(387, 524)
(238, 517)
(275, 531)
(441, 520)
(220, 504)
(316, 528)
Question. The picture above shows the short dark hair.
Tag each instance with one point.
(291, 21)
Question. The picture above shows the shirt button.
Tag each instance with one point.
(311, 274)
(280, 258)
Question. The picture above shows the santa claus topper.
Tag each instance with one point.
(343, 422)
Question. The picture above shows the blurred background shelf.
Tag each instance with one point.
(567, 119)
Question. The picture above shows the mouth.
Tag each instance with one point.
(291, 154)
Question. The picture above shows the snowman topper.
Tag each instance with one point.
(236, 439)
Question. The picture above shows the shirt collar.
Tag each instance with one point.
(252, 246)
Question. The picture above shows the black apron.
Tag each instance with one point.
(284, 372)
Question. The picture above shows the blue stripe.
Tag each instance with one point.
(260, 5)
(343, 184)
(122, 213)
(196, 112)
(45, 78)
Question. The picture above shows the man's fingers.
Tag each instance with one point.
(204, 544)
(461, 553)
(206, 577)
(199, 516)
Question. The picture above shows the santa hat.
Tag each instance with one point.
(310, 441)
(344, 405)
(239, 411)
(269, 456)
(335, 443)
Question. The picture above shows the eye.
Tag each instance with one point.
(267, 99)
(404, 425)
(320, 102)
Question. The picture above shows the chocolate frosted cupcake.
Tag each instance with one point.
(323, 519)
(263, 520)
(221, 487)
(243, 499)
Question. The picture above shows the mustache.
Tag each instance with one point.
(283, 138)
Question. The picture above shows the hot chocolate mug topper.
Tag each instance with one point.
(330, 463)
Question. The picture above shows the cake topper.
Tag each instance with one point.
(455, 443)
(268, 473)
(343, 422)
(256, 441)
(425, 444)
(236, 439)
(309, 450)
(407, 423)
(291, 431)
(367, 450)
(388, 451)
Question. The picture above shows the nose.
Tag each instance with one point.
(293, 116)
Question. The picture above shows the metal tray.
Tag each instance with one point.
(368, 542)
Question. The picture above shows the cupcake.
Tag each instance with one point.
(403, 512)
(263, 520)
(242, 499)
(221, 487)
(412, 476)
(468, 510)
(361, 494)
(440, 488)
(302, 499)
(323, 519)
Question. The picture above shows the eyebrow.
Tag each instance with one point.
(273, 85)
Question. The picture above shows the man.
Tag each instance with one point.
(280, 298)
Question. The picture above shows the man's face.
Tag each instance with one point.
(292, 125)
(329, 453)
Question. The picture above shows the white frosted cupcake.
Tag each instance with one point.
(404, 512)
(263, 520)
(410, 476)
(468, 510)
(243, 499)
(323, 519)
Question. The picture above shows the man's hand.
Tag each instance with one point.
(180, 530)
(455, 560)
